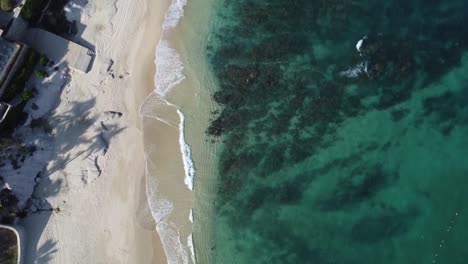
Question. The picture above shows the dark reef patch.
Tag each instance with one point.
(377, 227)
(362, 184)
(447, 110)
(399, 114)
(303, 141)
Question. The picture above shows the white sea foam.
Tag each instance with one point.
(190, 217)
(174, 14)
(169, 73)
(355, 71)
(161, 208)
(190, 245)
(186, 154)
(169, 68)
(173, 247)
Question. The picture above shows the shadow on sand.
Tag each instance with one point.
(76, 125)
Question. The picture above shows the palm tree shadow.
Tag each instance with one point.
(80, 133)
(46, 251)
(82, 127)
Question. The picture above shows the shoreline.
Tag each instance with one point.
(169, 168)
(183, 158)
(91, 211)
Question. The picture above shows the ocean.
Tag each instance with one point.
(306, 131)
(342, 131)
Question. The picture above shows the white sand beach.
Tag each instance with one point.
(97, 175)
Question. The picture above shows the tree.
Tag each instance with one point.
(27, 95)
(32, 10)
(6, 5)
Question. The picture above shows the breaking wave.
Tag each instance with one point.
(169, 73)
(186, 154)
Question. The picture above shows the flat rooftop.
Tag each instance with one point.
(5, 18)
(57, 48)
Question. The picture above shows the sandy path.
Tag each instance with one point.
(103, 218)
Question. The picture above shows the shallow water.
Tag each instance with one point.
(334, 155)
(175, 118)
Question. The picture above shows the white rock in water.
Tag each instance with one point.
(359, 43)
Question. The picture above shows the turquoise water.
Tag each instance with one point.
(334, 155)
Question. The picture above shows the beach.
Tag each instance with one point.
(96, 182)
(231, 131)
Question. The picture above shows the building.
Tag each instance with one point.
(57, 48)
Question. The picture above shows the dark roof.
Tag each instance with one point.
(5, 18)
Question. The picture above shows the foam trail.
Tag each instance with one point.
(159, 119)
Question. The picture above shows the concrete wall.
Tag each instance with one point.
(19, 237)
(17, 64)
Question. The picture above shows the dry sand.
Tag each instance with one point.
(103, 215)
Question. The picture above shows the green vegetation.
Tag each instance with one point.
(43, 60)
(8, 247)
(32, 10)
(27, 95)
(21, 76)
(6, 5)
(41, 74)
(7, 142)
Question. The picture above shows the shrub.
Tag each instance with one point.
(27, 95)
(6, 5)
(43, 60)
(41, 74)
